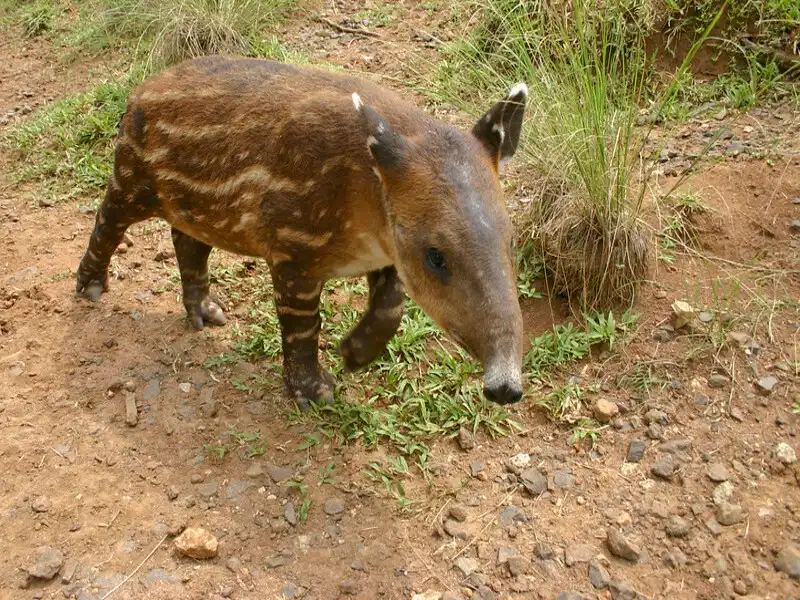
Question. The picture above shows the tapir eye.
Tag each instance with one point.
(434, 260)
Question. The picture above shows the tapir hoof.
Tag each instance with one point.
(317, 391)
(356, 354)
(208, 310)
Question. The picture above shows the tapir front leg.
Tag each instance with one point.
(379, 323)
(297, 303)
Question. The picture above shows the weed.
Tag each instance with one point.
(215, 451)
(796, 407)
(251, 444)
(37, 17)
(325, 475)
(563, 403)
(679, 228)
(586, 429)
(642, 378)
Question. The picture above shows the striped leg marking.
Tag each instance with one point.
(202, 305)
(298, 312)
(379, 323)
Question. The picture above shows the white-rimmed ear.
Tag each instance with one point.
(499, 129)
(387, 147)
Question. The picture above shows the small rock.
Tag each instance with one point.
(456, 529)
(678, 527)
(279, 560)
(452, 596)
(196, 542)
(349, 587)
(740, 587)
(729, 514)
(164, 255)
(503, 554)
(656, 416)
(467, 565)
(578, 553)
(521, 460)
(717, 472)
(604, 410)
(766, 385)
(534, 481)
(664, 467)
(795, 226)
(476, 467)
(151, 390)
(676, 558)
(511, 515)
(333, 507)
(237, 488)
(622, 547)
(563, 479)
(788, 560)
(172, 492)
(717, 381)
(158, 576)
(278, 474)
(636, 450)
(684, 314)
(598, 576)
(289, 514)
(676, 446)
(41, 504)
(428, 595)
(518, 565)
(785, 453)
(234, 564)
(705, 316)
(357, 565)
(721, 114)
(722, 493)
(458, 512)
(68, 572)
(289, 590)
(655, 431)
(466, 440)
(255, 471)
(131, 412)
(570, 596)
(48, 563)
(544, 551)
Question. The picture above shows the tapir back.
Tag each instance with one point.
(263, 159)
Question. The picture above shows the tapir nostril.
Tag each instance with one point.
(503, 394)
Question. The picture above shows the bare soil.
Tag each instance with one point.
(77, 477)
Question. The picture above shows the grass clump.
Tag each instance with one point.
(586, 77)
(37, 17)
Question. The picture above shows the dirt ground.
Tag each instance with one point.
(711, 509)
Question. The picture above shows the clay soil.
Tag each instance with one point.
(110, 496)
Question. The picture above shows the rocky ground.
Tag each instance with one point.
(113, 423)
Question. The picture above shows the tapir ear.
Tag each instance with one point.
(386, 146)
(499, 129)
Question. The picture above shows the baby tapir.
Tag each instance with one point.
(323, 176)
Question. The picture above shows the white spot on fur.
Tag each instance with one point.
(371, 257)
(498, 128)
(519, 89)
(377, 174)
(295, 236)
(357, 101)
(371, 141)
(244, 221)
(257, 175)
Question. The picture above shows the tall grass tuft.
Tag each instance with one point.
(176, 30)
(586, 74)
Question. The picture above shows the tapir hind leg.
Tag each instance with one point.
(379, 323)
(202, 305)
(297, 304)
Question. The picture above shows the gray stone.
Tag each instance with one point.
(578, 553)
(357, 564)
(717, 381)
(521, 460)
(278, 474)
(675, 558)
(622, 547)
(656, 416)
(476, 467)
(467, 565)
(41, 504)
(676, 446)
(722, 493)
(452, 596)
(655, 431)
(349, 587)
(598, 576)
(729, 514)
(208, 489)
(785, 453)
(68, 572)
(678, 527)
(289, 514)
(456, 529)
(484, 592)
(466, 440)
(278, 560)
(534, 481)
(518, 565)
(234, 564)
(503, 554)
(151, 390)
(795, 226)
(664, 467)
(544, 551)
(511, 515)
(717, 472)
(563, 479)
(333, 507)
(237, 487)
(255, 471)
(158, 576)
(636, 450)
(788, 560)
(766, 385)
(289, 590)
(570, 596)
(48, 563)
(705, 316)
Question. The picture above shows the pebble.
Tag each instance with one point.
(705, 316)
(255, 471)
(717, 381)
(333, 507)
(785, 453)
(563, 479)
(357, 565)
(467, 565)
(664, 467)
(452, 596)
(196, 542)
(151, 390)
(131, 412)
(476, 467)
(278, 474)
(604, 410)
(458, 512)
(717, 472)
(576, 553)
(636, 450)
(159, 576)
(289, 590)
(655, 431)
(684, 314)
(237, 487)
(518, 565)
(172, 492)
(766, 385)
(598, 576)
(289, 514)
(349, 587)
(466, 440)
(788, 560)
(196, 478)
(544, 551)
(570, 596)
(678, 527)
(722, 493)
(676, 558)
(279, 560)
(729, 514)
(68, 572)
(656, 416)
(534, 481)
(48, 563)
(234, 564)
(795, 226)
(622, 547)
(455, 529)
(41, 504)
(511, 515)
(521, 460)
